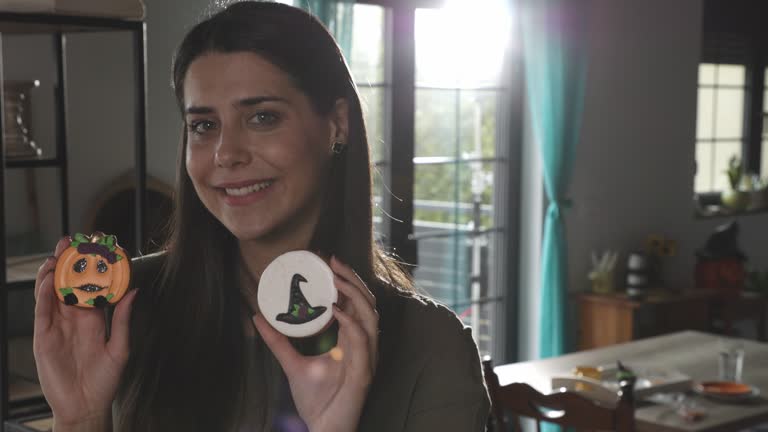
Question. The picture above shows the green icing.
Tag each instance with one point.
(310, 311)
(295, 311)
(90, 302)
(109, 241)
(65, 291)
(109, 296)
(79, 238)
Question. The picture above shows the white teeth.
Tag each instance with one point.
(248, 189)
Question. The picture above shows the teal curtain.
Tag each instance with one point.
(337, 16)
(555, 68)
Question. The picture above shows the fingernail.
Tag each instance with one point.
(336, 307)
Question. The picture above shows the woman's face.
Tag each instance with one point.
(257, 152)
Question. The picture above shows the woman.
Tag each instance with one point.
(273, 159)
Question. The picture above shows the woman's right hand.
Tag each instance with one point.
(79, 370)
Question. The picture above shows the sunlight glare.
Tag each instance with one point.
(462, 44)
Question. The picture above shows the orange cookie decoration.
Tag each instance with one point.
(92, 272)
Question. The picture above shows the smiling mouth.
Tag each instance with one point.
(90, 288)
(245, 190)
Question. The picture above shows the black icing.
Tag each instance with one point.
(100, 302)
(101, 267)
(70, 299)
(90, 288)
(80, 265)
(299, 309)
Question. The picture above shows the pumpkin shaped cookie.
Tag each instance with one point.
(92, 272)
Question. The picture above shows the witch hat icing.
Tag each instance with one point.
(303, 283)
(299, 309)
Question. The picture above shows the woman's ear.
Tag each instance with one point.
(339, 122)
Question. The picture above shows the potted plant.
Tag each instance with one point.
(735, 198)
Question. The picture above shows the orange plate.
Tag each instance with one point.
(725, 388)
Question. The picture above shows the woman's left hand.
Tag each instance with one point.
(329, 390)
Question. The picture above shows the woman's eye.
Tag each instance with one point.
(201, 126)
(264, 119)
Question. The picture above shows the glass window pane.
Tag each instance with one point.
(729, 108)
(461, 45)
(731, 75)
(477, 122)
(443, 270)
(373, 100)
(436, 194)
(704, 181)
(481, 318)
(723, 152)
(378, 192)
(704, 117)
(446, 267)
(765, 114)
(764, 169)
(436, 122)
(706, 74)
(477, 183)
(368, 47)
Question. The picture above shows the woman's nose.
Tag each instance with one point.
(231, 149)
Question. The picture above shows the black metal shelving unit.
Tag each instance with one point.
(13, 412)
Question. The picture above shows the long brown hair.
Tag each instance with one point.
(187, 364)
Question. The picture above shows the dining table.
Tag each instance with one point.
(692, 353)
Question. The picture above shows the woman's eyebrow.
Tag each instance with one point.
(255, 100)
(245, 102)
(198, 110)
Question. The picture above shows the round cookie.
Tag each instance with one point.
(296, 294)
(92, 272)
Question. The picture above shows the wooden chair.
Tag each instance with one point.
(566, 409)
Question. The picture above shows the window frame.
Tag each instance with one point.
(399, 229)
(736, 34)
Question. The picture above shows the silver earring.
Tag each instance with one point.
(338, 147)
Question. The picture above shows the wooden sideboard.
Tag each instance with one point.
(608, 319)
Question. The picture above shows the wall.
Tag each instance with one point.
(634, 170)
(167, 22)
